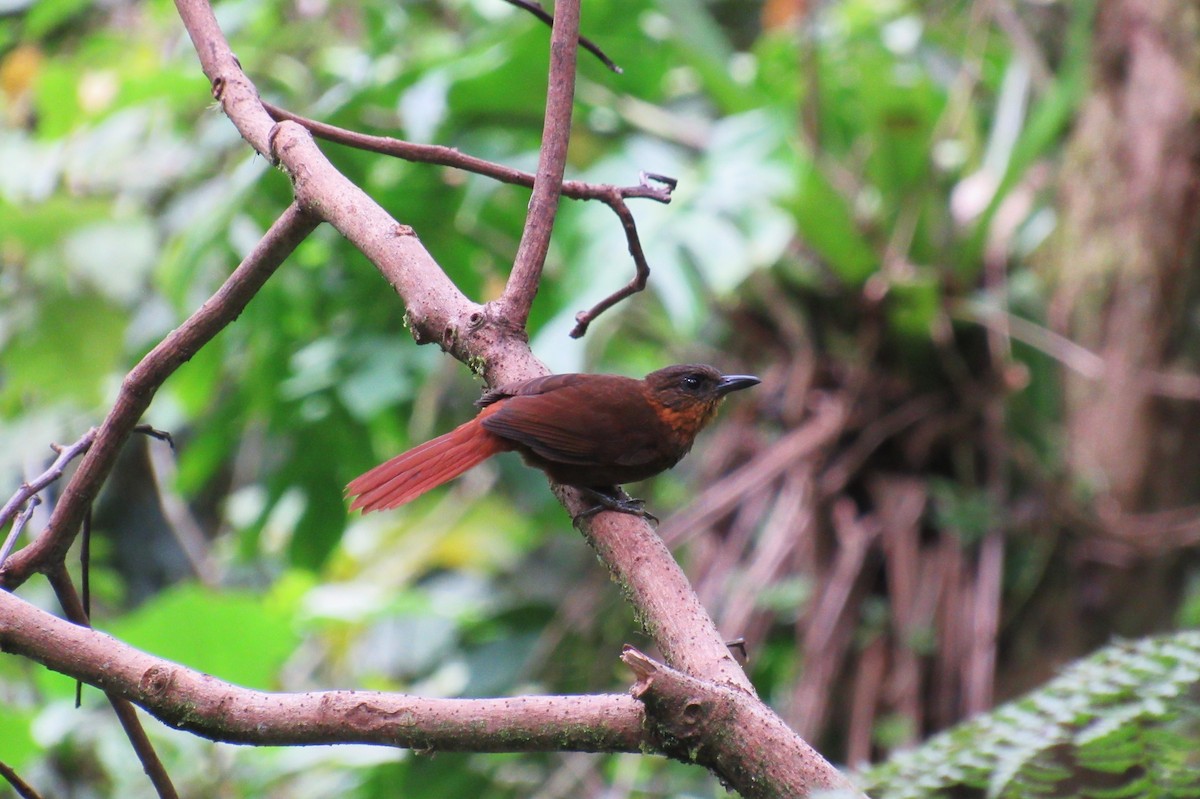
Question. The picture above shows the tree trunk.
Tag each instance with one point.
(1127, 256)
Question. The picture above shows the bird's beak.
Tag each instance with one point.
(731, 383)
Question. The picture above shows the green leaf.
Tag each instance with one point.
(827, 225)
(233, 635)
(88, 329)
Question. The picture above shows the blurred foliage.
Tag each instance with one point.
(1121, 723)
(867, 152)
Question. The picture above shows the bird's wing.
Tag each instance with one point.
(566, 419)
(534, 386)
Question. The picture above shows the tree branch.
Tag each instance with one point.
(64, 589)
(451, 157)
(660, 593)
(612, 196)
(217, 710)
(642, 269)
(140, 385)
(556, 135)
(733, 734)
(23, 789)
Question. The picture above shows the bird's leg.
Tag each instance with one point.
(614, 498)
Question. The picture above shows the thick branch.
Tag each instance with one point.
(220, 711)
(661, 595)
(733, 734)
(126, 714)
(556, 135)
(139, 388)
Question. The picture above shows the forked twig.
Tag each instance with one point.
(28, 492)
(642, 269)
(442, 155)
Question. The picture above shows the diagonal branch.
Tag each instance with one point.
(543, 205)
(140, 385)
(23, 789)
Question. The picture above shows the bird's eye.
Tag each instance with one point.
(690, 382)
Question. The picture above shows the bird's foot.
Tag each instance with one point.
(617, 501)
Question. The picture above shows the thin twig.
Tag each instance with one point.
(526, 274)
(456, 159)
(30, 489)
(651, 186)
(18, 527)
(642, 273)
(584, 42)
(23, 789)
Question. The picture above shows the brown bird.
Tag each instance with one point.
(592, 432)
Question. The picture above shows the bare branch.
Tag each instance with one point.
(612, 196)
(23, 789)
(220, 711)
(28, 490)
(543, 205)
(139, 388)
(730, 732)
(451, 157)
(642, 273)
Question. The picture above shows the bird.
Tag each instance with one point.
(593, 432)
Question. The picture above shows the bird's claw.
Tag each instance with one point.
(621, 504)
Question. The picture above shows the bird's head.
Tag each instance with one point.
(690, 393)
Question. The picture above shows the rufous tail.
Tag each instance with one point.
(410, 474)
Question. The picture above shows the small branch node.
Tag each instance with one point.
(642, 666)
